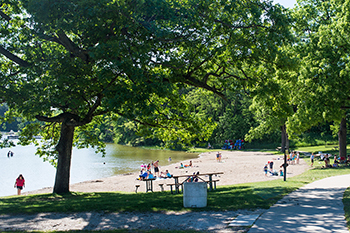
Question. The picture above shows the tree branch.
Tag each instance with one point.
(71, 47)
(5, 16)
(13, 57)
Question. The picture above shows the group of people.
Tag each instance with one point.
(186, 165)
(193, 178)
(146, 171)
(10, 154)
(327, 162)
(231, 145)
(293, 158)
(268, 168)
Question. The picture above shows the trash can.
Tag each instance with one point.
(195, 194)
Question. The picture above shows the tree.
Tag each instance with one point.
(322, 83)
(66, 63)
(271, 103)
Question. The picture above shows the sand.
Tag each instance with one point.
(237, 167)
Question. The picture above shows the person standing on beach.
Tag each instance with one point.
(312, 157)
(271, 166)
(156, 168)
(19, 184)
(265, 169)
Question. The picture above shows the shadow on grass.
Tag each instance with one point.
(224, 198)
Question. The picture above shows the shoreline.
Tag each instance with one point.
(237, 166)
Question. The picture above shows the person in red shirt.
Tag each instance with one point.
(19, 184)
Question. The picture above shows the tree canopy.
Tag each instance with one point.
(321, 84)
(66, 63)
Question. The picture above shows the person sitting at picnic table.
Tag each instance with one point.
(168, 174)
(165, 174)
(143, 175)
(192, 178)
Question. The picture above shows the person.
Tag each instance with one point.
(298, 157)
(190, 165)
(143, 175)
(181, 165)
(168, 175)
(10, 154)
(169, 159)
(143, 167)
(271, 166)
(19, 184)
(156, 168)
(165, 174)
(209, 146)
(312, 157)
(150, 175)
(265, 169)
(335, 159)
(218, 157)
(149, 167)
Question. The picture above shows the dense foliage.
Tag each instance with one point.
(72, 65)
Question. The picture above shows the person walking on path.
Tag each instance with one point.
(316, 207)
(312, 157)
(19, 184)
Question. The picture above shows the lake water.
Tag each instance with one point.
(86, 165)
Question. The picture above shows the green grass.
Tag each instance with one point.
(234, 197)
(243, 196)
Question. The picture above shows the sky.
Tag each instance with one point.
(286, 3)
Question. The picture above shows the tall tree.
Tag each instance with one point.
(322, 84)
(67, 62)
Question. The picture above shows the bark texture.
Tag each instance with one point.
(342, 138)
(64, 149)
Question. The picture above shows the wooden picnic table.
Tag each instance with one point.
(210, 175)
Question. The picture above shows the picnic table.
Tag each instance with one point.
(149, 184)
(210, 182)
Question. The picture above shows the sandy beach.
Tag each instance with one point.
(237, 167)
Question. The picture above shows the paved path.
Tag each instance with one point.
(316, 207)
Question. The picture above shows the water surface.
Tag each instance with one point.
(86, 165)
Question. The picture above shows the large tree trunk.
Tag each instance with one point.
(64, 149)
(342, 138)
(284, 138)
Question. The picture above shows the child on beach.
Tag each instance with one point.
(265, 169)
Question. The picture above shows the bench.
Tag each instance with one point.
(136, 186)
(171, 186)
(213, 181)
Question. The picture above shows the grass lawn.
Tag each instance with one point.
(243, 196)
